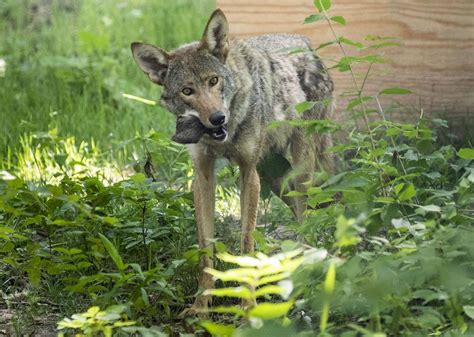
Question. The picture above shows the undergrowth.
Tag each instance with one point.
(385, 248)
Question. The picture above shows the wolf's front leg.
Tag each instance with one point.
(204, 201)
(249, 196)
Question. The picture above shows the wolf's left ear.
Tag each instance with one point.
(216, 35)
(152, 60)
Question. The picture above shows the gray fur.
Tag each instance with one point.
(263, 82)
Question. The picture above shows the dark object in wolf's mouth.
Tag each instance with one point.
(189, 130)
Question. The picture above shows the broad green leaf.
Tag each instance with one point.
(5, 175)
(239, 292)
(270, 310)
(243, 261)
(242, 275)
(322, 5)
(269, 289)
(395, 91)
(273, 278)
(358, 45)
(304, 106)
(113, 252)
(138, 178)
(405, 191)
(110, 220)
(430, 208)
(218, 329)
(34, 275)
(339, 19)
(144, 296)
(6, 230)
(123, 324)
(229, 310)
(466, 153)
(313, 18)
(469, 310)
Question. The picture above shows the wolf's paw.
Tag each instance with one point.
(247, 304)
(194, 311)
(199, 309)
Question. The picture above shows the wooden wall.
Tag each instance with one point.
(436, 60)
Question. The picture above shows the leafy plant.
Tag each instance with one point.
(95, 322)
(256, 278)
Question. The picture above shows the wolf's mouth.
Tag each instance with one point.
(219, 133)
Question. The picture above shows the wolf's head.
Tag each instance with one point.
(195, 79)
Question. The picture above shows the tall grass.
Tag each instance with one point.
(68, 63)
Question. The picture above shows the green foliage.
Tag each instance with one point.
(96, 322)
(256, 278)
(79, 232)
(67, 63)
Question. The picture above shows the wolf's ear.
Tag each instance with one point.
(152, 60)
(216, 35)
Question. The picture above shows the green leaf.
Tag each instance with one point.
(113, 252)
(110, 220)
(466, 153)
(270, 310)
(313, 18)
(330, 281)
(218, 329)
(358, 101)
(60, 159)
(138, 178)
(469, 310)
(242, 275)
(385, 44)
(304, 106)
(228, 310)
(34, 275)
(239, 292)
(349, 42)
(405, 191)
(431, 208)
(324, 45)
(269, 289)
(144, 294)
(339, 19)
(395, 91)
(273, 166)
(322, 5)
(243, 261)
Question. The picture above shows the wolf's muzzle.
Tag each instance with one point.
(219, 133)
(217, 118)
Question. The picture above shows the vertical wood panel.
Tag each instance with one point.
(436, 60)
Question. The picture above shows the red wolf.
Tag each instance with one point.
(224, 93)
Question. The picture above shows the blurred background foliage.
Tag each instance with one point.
(96, 211)
(68, 62)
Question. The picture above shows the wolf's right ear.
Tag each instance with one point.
(152, 60)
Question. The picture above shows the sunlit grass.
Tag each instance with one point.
(66, 65)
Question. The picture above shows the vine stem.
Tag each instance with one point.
(354, 80)
(358, 90)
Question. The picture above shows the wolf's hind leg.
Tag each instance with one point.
(249, 197)
(303, 156)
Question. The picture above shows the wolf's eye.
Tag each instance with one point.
(213, 81)
(187, 91)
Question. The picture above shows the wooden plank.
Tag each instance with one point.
(436, 60)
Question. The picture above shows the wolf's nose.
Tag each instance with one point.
(217, 118)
